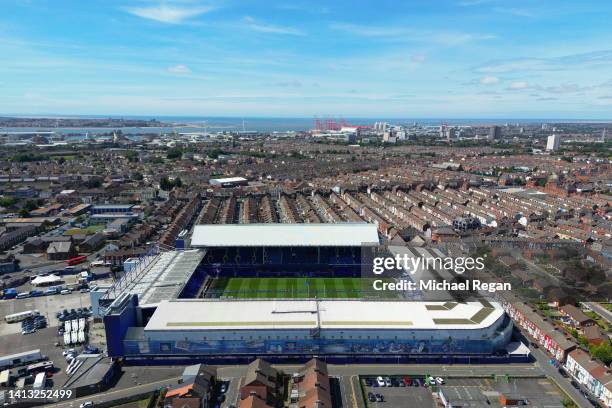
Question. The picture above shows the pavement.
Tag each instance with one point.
(232, 394)
(543, 363)
(45, 341)
(111, 395)
(600, 310)
(131, 380)
(516, 370)
(47, 305)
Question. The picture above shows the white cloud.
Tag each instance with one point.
(168, 14)
(489, 80)
(514, 12)
(558, 63)
(564, 88)
(519, 85)
(252, 24)
(404, 34)
(179, 69)
(418, 58)
(470, 3)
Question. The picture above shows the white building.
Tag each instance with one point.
(553, 143)
(592, 374)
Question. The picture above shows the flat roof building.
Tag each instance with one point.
(228, 182)
(284, 235)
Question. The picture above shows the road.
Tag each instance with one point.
(525, 370)
(348, 378)
(600, 310)
(116, 394)
(543, 362)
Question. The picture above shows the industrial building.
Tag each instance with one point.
(157, 313)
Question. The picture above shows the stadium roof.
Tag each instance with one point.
(283, 235)
(163, 277)
(208, 314)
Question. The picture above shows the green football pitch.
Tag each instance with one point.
(287, 288)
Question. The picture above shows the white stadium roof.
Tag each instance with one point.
(160, 277)
(284, 235)
(208, 314)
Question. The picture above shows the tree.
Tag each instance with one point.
(165, 184)
(602, 352)
(7, 201)
(568, 403)
(131, 155)
(137, 176)
(93, 183)
(174, 153)
(30, 205)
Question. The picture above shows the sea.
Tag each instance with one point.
(186, 124)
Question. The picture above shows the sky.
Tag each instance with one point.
(305, 58)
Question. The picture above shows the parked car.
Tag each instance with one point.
(371, 397)
(380, 381)
(439, 380)
(388, 382)
(65, 292)
(380, 398)
(407, 381)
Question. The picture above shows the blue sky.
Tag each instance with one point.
(385, 58)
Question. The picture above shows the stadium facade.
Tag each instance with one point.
(158, 314)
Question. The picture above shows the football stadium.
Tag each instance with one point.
(288, 292)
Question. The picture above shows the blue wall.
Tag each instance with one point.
(116, 325)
